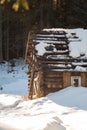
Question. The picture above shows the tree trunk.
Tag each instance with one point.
(41, 15)
(7, 46)
(1, 57)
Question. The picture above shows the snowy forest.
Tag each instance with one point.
(50, 91)
(15, 24)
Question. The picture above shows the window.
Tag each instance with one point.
(76, 81)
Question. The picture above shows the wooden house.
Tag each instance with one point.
(51, 67)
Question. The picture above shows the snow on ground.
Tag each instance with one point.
(63, 110)
(14, 80)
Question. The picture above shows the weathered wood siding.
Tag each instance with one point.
(53, 69)
(84, 79)
(53, 81)
(67, 78)
(59, 80)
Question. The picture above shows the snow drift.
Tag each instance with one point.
(62, 110)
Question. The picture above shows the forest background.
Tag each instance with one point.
(16, 23)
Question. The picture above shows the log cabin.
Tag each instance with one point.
(52, 65)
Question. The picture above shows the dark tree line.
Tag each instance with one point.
(14, 26)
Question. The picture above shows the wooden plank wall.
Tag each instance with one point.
(84, 79)
(66, 79)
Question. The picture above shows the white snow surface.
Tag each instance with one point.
(62, 110)
(14, 80)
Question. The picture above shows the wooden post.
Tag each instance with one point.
(29, 49)
(40, 83)
(30, 95)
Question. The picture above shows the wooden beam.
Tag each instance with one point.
(59, 32)
(53, 83)
(53, 78)
(56, 67)
(55, 62)
(68, 59)
(56, 53)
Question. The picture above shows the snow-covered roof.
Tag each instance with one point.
(48, 44)
(77, 41)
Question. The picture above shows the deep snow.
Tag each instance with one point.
(14, 79)
(63, 110)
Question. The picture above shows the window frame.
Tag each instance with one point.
(76, 77)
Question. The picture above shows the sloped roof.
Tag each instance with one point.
(63, 44)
